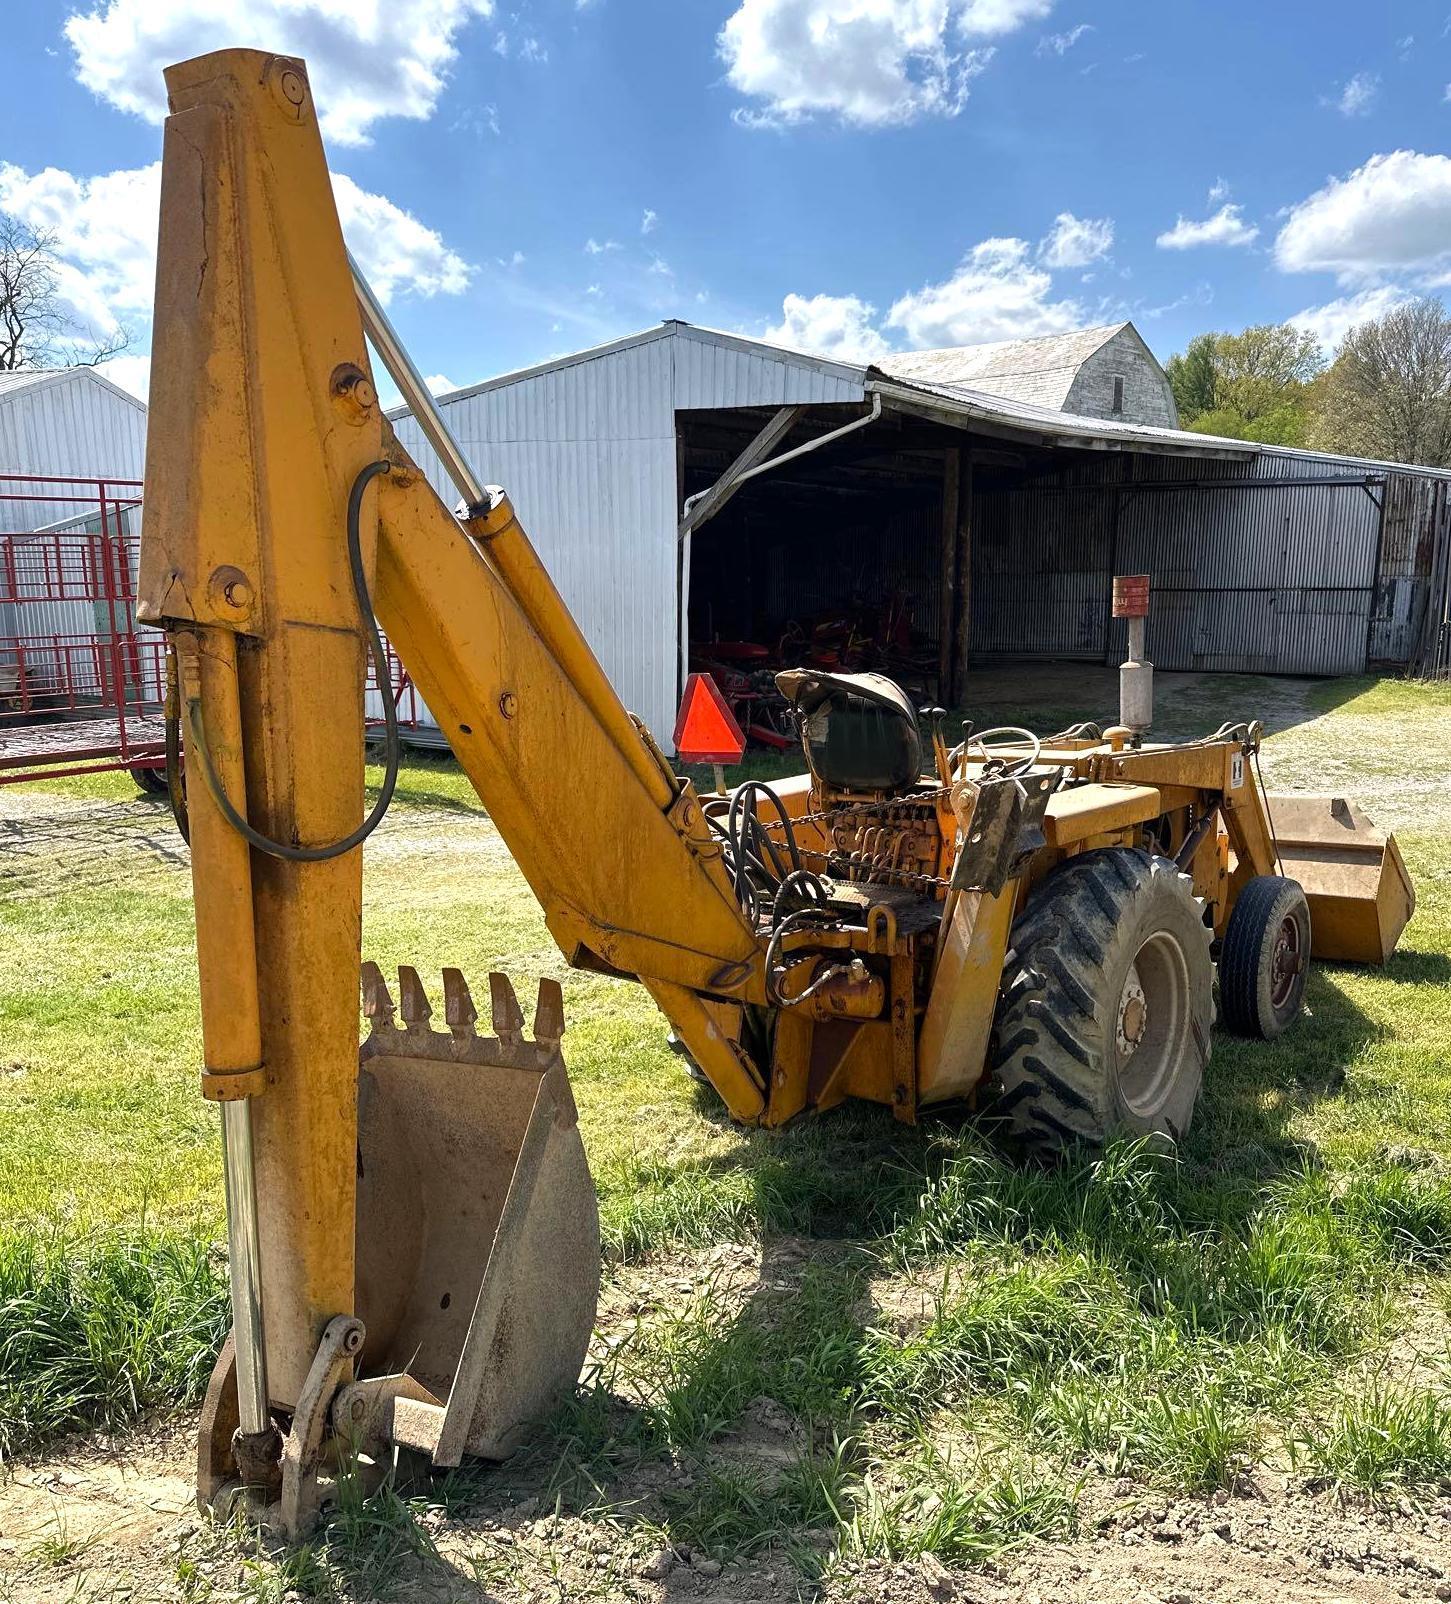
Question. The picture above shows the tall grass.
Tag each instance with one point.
(92, 1334)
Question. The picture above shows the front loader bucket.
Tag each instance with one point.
(1353, 876)
(478, 1244)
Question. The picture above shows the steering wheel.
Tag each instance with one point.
(994, 742)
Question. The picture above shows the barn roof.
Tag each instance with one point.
(14, 382)
(1040, 371)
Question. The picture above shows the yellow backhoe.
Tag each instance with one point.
(913, 921)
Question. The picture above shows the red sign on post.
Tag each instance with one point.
(706, 730)
(1131, 596)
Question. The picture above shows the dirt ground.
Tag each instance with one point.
(113, 1519)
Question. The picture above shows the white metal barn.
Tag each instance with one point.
(66, 422)
(684, 485)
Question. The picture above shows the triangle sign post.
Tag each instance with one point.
(706, 730)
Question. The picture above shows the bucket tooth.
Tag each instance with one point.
(413, 999)
(377, 1001)
(458, 1004)
(549, 1015)
(507, 1015)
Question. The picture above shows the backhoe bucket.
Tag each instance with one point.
(478, 1244)
(1352, 873)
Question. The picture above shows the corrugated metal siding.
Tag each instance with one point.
(1415, 509)
(75, 426)
(1250, 580)
(1274, 580)
(708, 374)
(1042, 566)
(587, 453)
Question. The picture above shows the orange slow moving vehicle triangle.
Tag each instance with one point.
(706, 730)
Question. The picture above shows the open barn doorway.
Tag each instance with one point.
(834, 560)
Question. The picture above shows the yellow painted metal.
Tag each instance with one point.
(500, 536)
(1085, 811)
(249, 464)
(953, 1046)
(640, 889)
(222, 881)
(1354, 877)
(720, 1055)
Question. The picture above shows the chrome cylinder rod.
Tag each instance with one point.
(417, 397)
(239, 1177)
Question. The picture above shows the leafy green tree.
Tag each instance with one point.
(1255, 385)
(1388, 393)
(1191, 378)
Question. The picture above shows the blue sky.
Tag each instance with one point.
(523, 179)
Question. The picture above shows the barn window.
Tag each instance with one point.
(1118, 392)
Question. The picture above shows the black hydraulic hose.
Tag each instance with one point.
(334, 849)
(175, 784)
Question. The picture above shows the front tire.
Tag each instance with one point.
(1265, 962)
(1104, 1014)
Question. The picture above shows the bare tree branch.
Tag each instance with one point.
(37, 327)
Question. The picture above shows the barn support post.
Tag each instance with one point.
(947, 610)
(962, 630)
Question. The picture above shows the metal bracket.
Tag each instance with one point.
(332, 1366)
(1006, 828)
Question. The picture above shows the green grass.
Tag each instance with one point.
(94, 1333)
(1380, 1438)
(958, 1341)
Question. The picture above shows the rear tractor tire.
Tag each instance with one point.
(1105, 1011)
(1265, 961)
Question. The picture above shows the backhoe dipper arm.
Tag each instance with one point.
(264, 421)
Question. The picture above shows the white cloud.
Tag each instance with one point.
(1226, 227)
(440, 383)
(395, 250)
(132, 373)
(1218, 191)
(648, 221)
(1059, 44)
(1357, 95)
(1001, 16)
(1333, 321)
(869, 62)
(594, 247)
(662, 268)
(105, 231)
(995, 294)
(838, 326)
(1076, 241)
(366, 61)
(1391, 215)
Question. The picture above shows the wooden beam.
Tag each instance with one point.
(962, 633)
(947, 616)
(725, 487)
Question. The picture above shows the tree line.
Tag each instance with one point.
(1385, 392)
